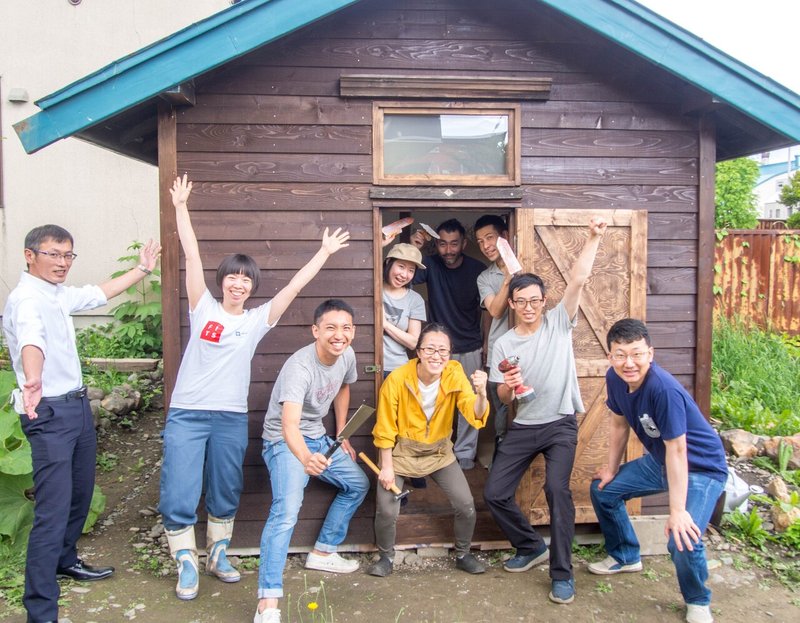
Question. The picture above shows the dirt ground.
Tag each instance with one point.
(431, 592)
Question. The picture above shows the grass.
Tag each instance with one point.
(755, 380)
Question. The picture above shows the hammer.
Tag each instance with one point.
(398, 495)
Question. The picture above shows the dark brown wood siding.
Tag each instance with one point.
(276, 156)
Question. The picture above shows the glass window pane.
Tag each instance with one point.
(445, 144)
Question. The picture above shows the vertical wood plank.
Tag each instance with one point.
(705, 264)
(170, 269)
(377, 288)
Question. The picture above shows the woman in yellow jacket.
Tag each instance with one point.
(416, 408)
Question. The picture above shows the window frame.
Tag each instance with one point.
(512, 111)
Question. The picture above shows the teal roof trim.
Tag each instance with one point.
(248, 25)
(678, 51)
(175, 59)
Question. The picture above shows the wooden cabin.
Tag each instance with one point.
(295, 116)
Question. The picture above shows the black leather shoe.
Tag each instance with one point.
(82, 572)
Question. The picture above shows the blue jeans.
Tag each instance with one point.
(289, 479)
(646, 476)
(201, 445)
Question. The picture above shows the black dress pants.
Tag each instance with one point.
(557, 442)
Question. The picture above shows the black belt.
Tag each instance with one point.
(73, 395)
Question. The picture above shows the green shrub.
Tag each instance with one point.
(793, 222)
(755, 380)
(136, 329)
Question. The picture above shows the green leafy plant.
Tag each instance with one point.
(603, 587)
(734, 196)
(745, 527)
(136, 329)
(107, 461)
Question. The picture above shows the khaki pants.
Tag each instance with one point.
(452, 481)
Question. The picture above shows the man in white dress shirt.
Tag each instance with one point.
(53, 407)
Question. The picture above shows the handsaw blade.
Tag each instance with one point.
(430, 231)
(361, 415)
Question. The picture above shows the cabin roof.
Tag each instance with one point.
(116, 106)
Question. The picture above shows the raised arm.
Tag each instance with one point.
(330, 245)
(582, 267)
(148, 256)
(195, 282)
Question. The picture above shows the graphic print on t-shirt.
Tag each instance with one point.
(392, 313)
(212, 332)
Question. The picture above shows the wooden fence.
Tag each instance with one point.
(757, 277)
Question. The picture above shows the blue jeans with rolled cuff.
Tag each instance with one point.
(288, 480)
(646, 476)
(201, 448)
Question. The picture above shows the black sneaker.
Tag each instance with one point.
(470, 564)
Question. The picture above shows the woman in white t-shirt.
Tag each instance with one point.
(403, 309)
(205, 436)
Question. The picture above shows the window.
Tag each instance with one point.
(446, 144)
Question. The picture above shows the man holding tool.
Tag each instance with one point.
(296, 447)
(544, 424)
(412, 433)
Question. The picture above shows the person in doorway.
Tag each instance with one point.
(205, 436)
(403, 309)
(684, 457)
(295, 445)
(493, 289)
(544, 425)
(453, 300)
(54, 409)
(412, 432)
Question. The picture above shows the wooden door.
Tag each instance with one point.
(548, 242)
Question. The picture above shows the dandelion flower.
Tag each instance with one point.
(313, 605)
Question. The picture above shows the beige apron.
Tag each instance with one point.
(416, 459)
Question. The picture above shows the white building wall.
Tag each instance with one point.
(105, 200)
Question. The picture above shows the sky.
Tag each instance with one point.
(763, 34)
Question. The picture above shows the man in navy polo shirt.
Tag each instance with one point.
(53, 407)
(685, 457)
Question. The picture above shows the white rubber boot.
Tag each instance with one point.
(183, 549)
(218, 538)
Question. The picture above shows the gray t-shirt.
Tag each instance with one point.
(411, 306)
(548, 365)
(489, 283)
(305, 380)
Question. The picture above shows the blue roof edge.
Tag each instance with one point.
(678, 51)
(245, 26)
(179, 57)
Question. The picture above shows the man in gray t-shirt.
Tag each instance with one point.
(314, 378)
(544, 425)
(493, 289)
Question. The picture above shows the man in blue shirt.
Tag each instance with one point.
(685, 457)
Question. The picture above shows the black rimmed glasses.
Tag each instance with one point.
(523, 303)
(430, 351)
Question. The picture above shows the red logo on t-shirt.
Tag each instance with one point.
(212, 332)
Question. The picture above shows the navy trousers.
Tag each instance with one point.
(63, 448)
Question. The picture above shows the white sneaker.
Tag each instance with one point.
(270, 615)
(698, 614)
(609, 566)
(332, 563)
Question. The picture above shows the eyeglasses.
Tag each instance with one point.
(637, 357)
(54, 255)
(430, 351)
(523, 303)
